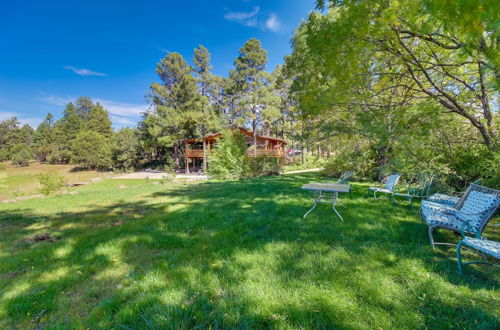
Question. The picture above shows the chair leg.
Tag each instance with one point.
(459, 258)
(431, 228)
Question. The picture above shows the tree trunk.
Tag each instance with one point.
(186, 157)
(204, 156)
(176, 156)
(383, 160)
(254, 127)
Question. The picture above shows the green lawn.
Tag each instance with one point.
(231, 255)
(23, 181)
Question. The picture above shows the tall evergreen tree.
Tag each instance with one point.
(176, 104)
(66, 130)
(83, 106)
(208, 90)
(251, 82)
(45, 138)
(98, 121)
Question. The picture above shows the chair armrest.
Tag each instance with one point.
(466, 226)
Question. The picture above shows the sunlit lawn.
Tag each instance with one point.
(233, 254)
(23, 181)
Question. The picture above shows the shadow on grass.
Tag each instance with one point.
(237, 254)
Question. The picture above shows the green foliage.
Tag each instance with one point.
(227, 160)
(310, 163)
(21, 154)
(91, 150)
(177, 106)
(361, 162)
(50, 182)
(262, 166)
(15, 141)
(98, 121)
(126, 149)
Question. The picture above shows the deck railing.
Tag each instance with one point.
(265, 152)
(198, 153)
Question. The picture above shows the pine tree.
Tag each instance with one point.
(44, 138)
(176, 104)
(99, 122)
(208, 89)
(250, 82)
(66, 130)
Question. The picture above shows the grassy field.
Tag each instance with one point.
(22, 181)
(231, 255)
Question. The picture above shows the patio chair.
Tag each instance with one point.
(478, 205)
(447, 199)
(345, 177)
(390, 185)
(442, 201)
(484, 246)
(420, 189)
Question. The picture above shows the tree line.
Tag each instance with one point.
(187, 101)
(83, 136)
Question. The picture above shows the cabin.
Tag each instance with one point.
(266, 146)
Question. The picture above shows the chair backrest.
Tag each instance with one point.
(423, 185)
(392, 181)
(345, 177)
(486, 203)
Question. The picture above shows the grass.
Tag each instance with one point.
(19, 181)
(231, 255)
(310, 164)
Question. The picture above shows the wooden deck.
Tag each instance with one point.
(198, 153)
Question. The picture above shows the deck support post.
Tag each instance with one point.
(187, 159)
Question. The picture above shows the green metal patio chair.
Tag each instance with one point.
(442, 201)
(484, 246)
(419, 187)
(390, 185)
(478, 205)
(451, 200)
(345, 178)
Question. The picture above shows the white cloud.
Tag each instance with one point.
(122, 108)
(84, 72)
(273, 23)
(58, 100)
(122, 113)
(122, 121)
(32, 121)
(254, 19)
(242, 17)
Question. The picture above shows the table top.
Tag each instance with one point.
(334, 187)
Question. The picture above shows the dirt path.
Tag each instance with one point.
(305, 171)
(157, 175)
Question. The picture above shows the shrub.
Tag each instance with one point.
(361, 162)
(50, 183)
(126, 150)
(91, 150)
(4, 154)
(21, 154)
(263, 165)
(227, 160)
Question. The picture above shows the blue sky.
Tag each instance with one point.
(51, 52)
